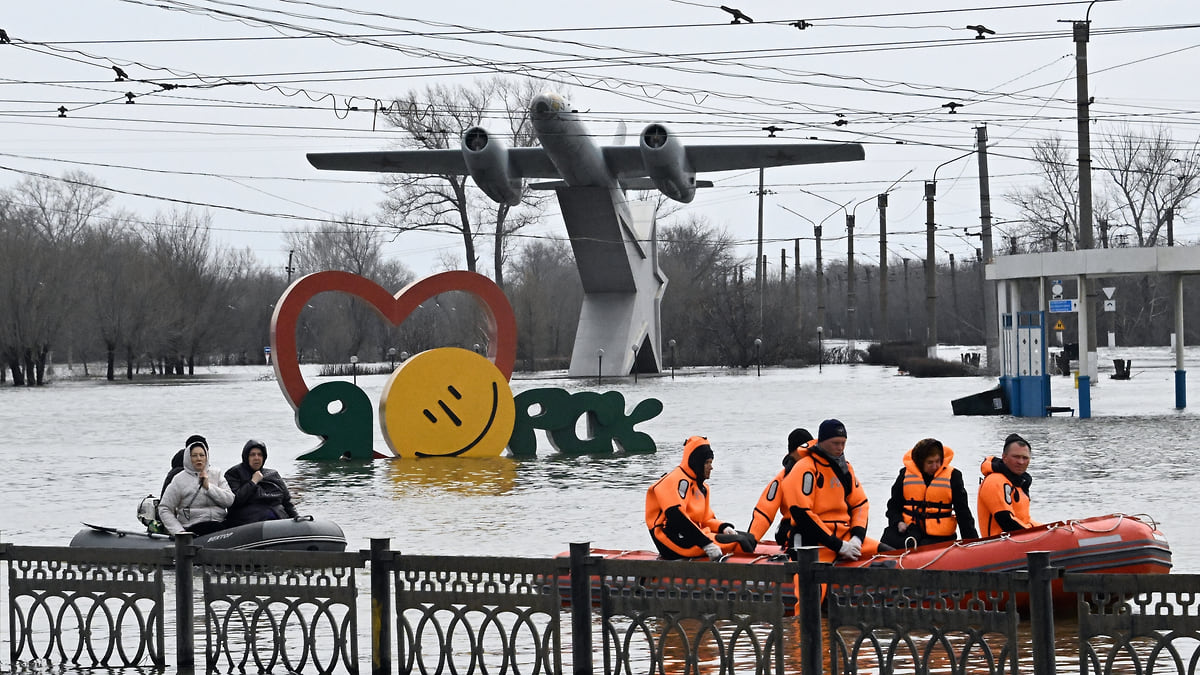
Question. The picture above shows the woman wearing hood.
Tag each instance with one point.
(258, 493)
(196, 499)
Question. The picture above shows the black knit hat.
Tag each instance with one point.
(1016, 438)
(195, 439)
(831, 429)
(797, 438)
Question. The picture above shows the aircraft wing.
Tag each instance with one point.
(704, 158)
(523, 162)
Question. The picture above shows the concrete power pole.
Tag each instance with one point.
(820, 280)
(931, 328)
(991, 320)
(884, 333)
(1088, 313)
(851, 294)
(796, 286)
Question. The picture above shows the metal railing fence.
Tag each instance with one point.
(264, 611)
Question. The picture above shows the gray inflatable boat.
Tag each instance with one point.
(291, 534)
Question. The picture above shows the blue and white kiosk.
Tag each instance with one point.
(1022, 305)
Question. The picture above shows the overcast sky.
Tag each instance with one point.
(261, 82)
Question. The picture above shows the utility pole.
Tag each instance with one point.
(1087, 314)
(1170, 218)
(760, 262)
(931, 331)
(954, 296)
(820, 280)
(796, 285)
(907, 311)
(884, 333)
(991, 319)
(289, 268)
(851, 299)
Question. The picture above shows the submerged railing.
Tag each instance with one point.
(304, 612)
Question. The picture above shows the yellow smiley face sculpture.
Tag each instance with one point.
(447, 402)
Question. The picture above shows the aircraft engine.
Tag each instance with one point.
(487, 162)
(665, 161)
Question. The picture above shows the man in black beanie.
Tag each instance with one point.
(770, 500)
(1003, 501)
(825, 504)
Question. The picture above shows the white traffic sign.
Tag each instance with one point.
(1108, 291)
(1110, 305)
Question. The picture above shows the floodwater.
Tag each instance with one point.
(86, 451)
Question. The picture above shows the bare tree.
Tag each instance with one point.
(546, 294)
(436, 119)
(342, 326)
(1151, 177)
(1050, 207)
(196, 282)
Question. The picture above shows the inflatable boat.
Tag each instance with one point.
(1115, 543)
(291, 534)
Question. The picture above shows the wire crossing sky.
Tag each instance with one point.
(212, 104)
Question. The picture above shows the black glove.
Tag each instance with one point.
(745, 540)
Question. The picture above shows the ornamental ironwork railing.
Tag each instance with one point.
(1137, 623)
(303, 612)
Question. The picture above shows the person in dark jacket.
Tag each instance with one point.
(929, 503)
(258, 493)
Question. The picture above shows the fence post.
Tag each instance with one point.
(185, 649)
(1041, 611)
(581, 608)
(809, 593)
(381, 607)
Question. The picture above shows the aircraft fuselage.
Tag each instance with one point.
(566, 141)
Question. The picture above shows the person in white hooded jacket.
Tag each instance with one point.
(197, 498)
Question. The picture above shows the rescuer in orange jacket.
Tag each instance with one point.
(1004, 492)
(771, 498)
(678, 513)
(929, 500)
(824, 502)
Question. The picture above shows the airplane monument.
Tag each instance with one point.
(614, 240)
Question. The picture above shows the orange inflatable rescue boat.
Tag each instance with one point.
(1115, 543)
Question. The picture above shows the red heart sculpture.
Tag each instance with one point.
(501, 323)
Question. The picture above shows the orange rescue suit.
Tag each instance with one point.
(931, 506)
(999, 493)
(770, 503)
(813, 491)
(678, 513)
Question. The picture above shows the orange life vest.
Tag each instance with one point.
(996, 494)
(930, 506)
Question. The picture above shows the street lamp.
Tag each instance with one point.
(354, 368)
(392, 357)
(599, 365)
(635, 365)
(757, 354)
(671, 344)
(820, 349)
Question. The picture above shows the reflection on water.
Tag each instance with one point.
(444, 476)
